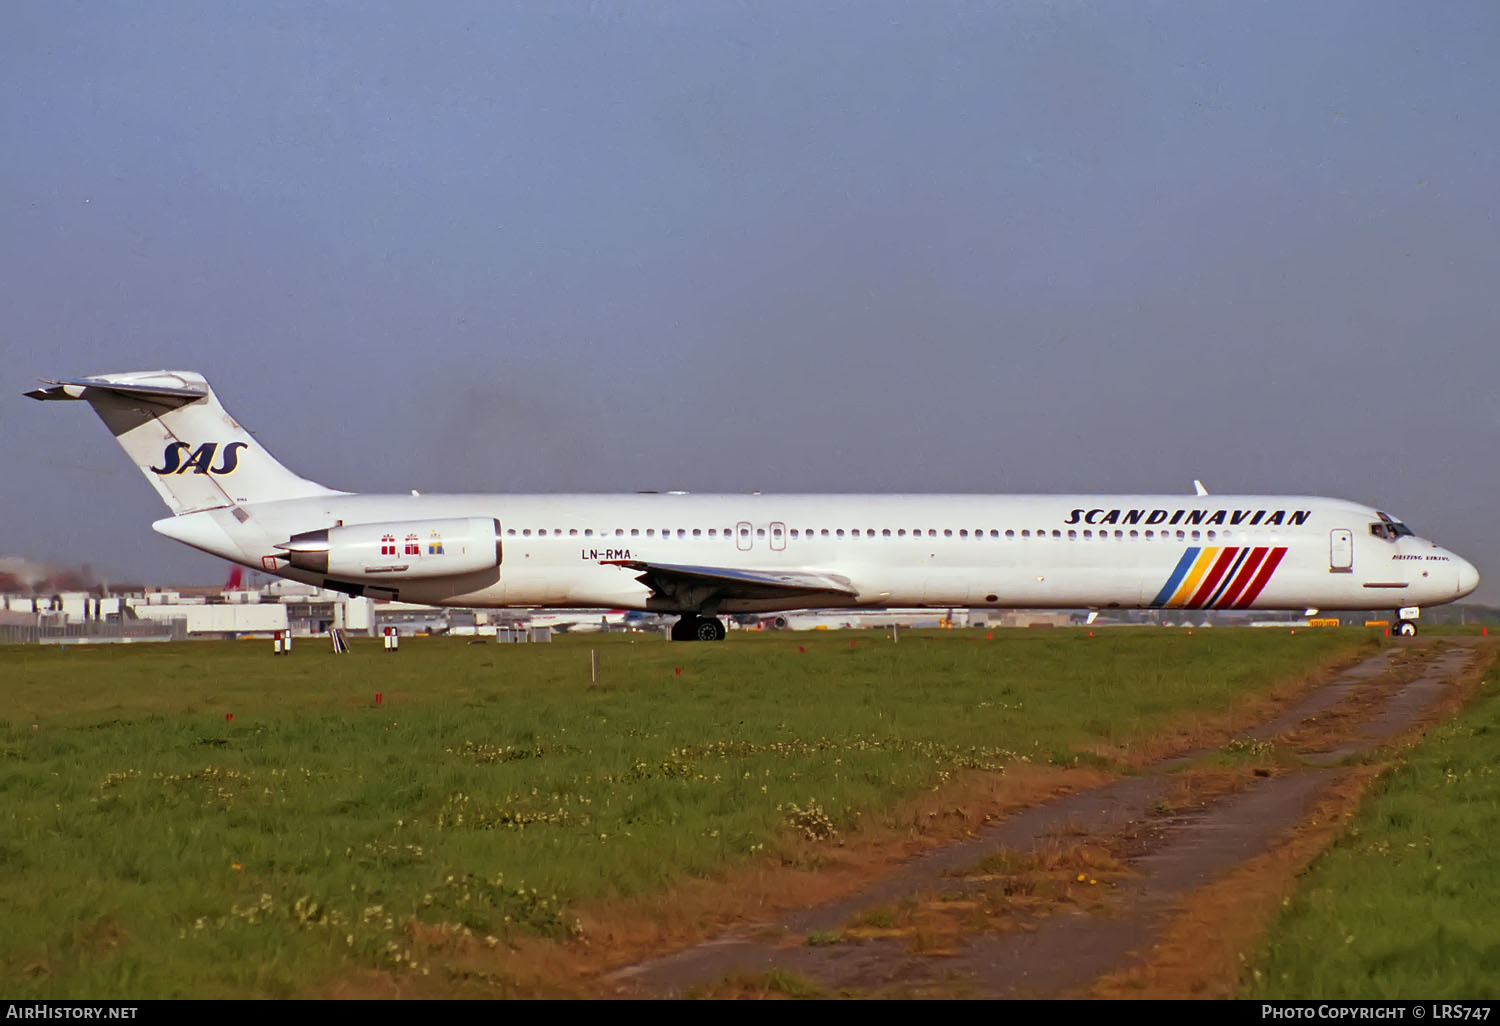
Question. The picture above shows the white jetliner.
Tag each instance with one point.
(699, 556)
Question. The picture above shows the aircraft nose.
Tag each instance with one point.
(1468, 577)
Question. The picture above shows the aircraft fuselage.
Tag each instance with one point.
(1032, 551)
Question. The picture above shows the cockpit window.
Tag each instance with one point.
(1389, 528)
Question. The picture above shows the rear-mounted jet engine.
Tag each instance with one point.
(402, 551)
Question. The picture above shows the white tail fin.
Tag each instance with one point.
(173, 428)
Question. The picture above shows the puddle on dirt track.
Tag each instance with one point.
(1101, 891)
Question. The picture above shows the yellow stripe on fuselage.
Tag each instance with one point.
(1200, 567)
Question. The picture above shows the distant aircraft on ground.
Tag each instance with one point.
(702, 556)
(580, 621)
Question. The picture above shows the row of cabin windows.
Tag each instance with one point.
(809, 533)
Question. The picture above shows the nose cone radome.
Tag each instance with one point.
(1468, 577)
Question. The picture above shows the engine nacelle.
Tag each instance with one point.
(400, 551)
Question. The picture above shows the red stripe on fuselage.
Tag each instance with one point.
(1220, 565)
(1226, 601)
(1266, 570)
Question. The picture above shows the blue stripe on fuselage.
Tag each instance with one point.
(1177, 575)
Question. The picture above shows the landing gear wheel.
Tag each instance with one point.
(698, 628)
(1406, 629)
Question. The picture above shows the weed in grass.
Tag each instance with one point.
(876, 919)
(501, 985)
(1079, 758)
(491, 905)
(811, 822)
(1005, 862)
(924, 942)
(774, 983)
(1256, 748)
(780, 981)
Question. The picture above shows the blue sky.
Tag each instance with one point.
(778, 246)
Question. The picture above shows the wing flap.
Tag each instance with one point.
(693, 584)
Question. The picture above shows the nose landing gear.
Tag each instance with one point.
(1406, 621)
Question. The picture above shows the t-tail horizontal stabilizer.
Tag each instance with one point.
(90, 389)
(192, 452)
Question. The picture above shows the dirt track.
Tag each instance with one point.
(1150, 885)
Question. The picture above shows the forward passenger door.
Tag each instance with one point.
(1341, 551)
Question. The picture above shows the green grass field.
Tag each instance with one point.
(1404, 904)
(210, 820)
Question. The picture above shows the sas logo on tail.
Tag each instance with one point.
(202, 459)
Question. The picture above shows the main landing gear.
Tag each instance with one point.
(697, 628)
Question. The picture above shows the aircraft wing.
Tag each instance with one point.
(692, 586)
